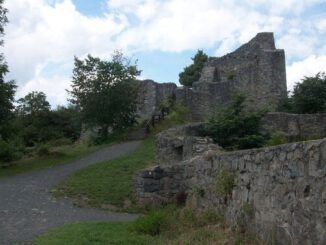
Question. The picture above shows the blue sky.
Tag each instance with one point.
(43, 36)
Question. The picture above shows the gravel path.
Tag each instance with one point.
(27, 209)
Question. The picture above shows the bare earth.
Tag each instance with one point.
(27, 209)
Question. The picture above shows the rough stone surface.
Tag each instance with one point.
(297, 126)
(257, 68)
(181, 143)
(279, 192)
(151, 95)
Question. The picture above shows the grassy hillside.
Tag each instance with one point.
(55, 156)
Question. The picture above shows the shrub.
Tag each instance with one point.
(224, 182)
(9, 151)
(179, 114)
(248, 209)
(199, 192)
(277, 138)
(191, 73)
(237, 126)
(150, 224)
(43, 150)
(60, 142)
(309, 96)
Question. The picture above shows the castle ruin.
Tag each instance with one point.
(257, 69)
(278, 192)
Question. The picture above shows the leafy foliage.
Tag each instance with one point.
(104, 92)
(7, 92)
(9, 151)
(277, 138)
(33, 103)
(236, 126)
(37, 124)
(7, 89)
(309, 96)
(191, 73)
(224, 182)
(150, 224)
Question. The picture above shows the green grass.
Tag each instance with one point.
(170, 225)
(58, 155)
(108, 183)
(94, 233)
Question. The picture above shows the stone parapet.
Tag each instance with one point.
(278, 192)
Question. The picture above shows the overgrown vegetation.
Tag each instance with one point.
(191, 73)
(109, 184)
(170, 225)
(277, 138)
(105, 92)
(46, 156)
(224, 182)
(237, 126)
(309, 96)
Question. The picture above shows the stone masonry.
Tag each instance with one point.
(279, 192)
(257, 69)
(297, 126)
(151, 95)
(181, 143)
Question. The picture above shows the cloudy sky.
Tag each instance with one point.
(43, 36)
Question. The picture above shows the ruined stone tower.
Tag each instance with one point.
(257, 68)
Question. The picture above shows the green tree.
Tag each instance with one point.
(7, 89)
(236, 126)
(309, 96)
(33, 103)
(9, 148)
(191, 73)
(33, 112)
(105, 92)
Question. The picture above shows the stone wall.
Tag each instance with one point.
(297, 126)
(279, 192)
(181, 143)
(257, 68)
(151, 95)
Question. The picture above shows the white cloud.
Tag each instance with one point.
(307, 67)
(298, 46)
(54, 87)
(321, 25)
(39, 34)
(45, 32)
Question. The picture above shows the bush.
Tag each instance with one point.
(9, 152)
(43, 150)
(60, 142)
(179, 114)
(224, 182)
(277, 138)
(150, 224)
(309, 96)
(236, 126)
(191, 73)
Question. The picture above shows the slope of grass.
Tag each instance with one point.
(168, 226)
(99, 233)
(108, 183)
(59, 155)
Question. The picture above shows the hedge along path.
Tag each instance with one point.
(27, 209)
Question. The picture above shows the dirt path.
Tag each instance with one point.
(27, 209)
